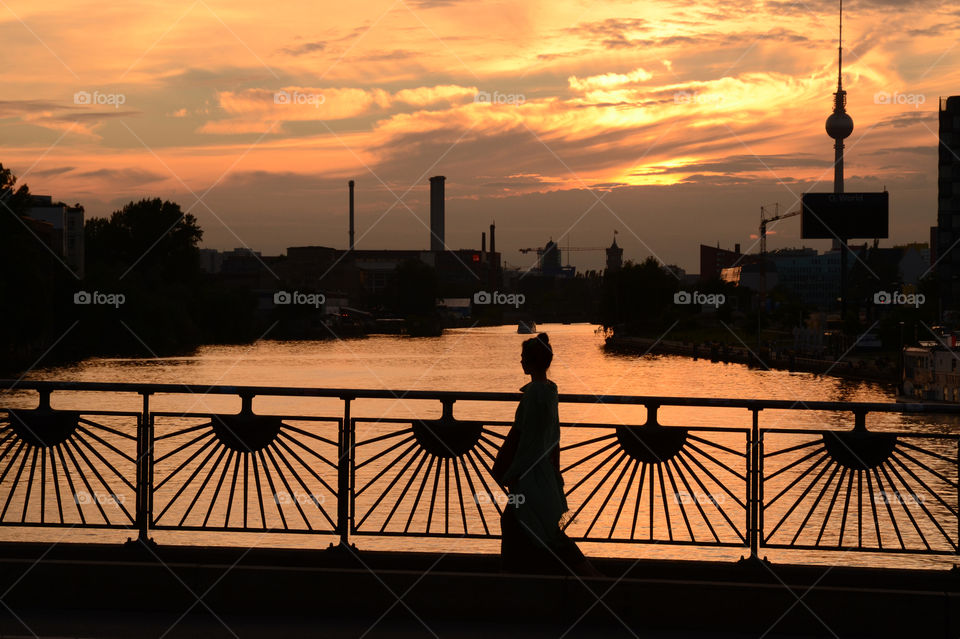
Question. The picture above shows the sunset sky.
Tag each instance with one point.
(670, 122)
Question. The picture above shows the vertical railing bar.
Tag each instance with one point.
(651, 502)
(859, 509)
(446, 495)
(753, 486)
(144, 470)
(246, 487)
(751, 493)
(43, 486)
(761, 509)
(345, 475)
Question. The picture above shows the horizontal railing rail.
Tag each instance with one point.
(357, 393)
(752, 487)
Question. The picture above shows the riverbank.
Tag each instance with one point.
(852, 366)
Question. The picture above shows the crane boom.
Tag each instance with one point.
(763, 224)
(541, 250)
(565, 248)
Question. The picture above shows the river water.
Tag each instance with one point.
(473, 359)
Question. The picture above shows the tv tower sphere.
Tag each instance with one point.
(839, 124)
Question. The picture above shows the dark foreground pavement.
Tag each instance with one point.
(135, 591)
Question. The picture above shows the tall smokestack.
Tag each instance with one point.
(436, 213)
(351, 215)
(493, 270)
(483, 242)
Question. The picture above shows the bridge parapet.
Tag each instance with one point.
(847, 488)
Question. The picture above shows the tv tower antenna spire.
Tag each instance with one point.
(840, 52)
(839, 124)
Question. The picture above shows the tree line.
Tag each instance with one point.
(142, 263)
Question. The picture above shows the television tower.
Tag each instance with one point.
(839, 125)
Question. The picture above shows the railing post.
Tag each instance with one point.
(754, 486)
(651, 414)
(344, 472)
(246, 403)
(144, 507)
(43, 399)
(860, 421)
(447, 414)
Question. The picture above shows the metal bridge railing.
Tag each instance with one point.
(750, 487)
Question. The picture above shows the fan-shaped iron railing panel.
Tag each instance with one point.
(860, 490)
(244, 472)
(68, 468)
(428, 478)
(653, 483)
(779, 488)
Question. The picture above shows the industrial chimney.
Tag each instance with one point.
(436, 213)
(483, 242)
(351, 215)
(493, 271)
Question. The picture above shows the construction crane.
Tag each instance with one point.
(543, 249)
(761, 302)
(763, 224)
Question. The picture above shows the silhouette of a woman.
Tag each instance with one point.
(529, 466)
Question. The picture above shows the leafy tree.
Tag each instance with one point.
(148, 252)
(13, 199)
(639, 297)
(35, 287)
(151, 239)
